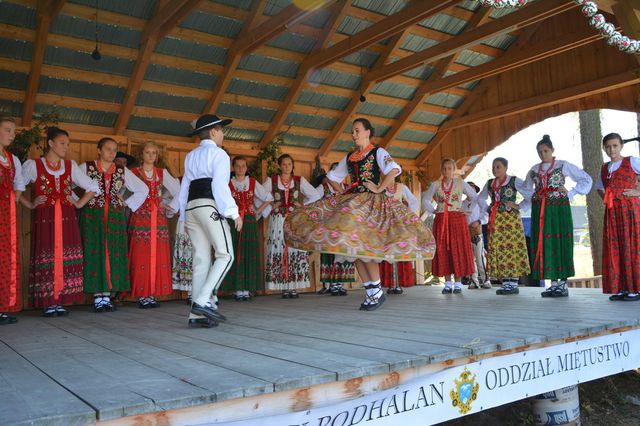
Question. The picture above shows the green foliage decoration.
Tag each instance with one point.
(26, 138)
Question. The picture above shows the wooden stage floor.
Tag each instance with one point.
(90, 366)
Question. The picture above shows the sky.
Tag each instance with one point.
(520, 149)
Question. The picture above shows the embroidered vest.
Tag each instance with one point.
(7, 176)
(363, 170)
(455, 197)
(154, 198)
(295, 194)
(618, 181)
(52, 187)
(506, 193)
(111, 193)
(244, 199)
(555, 180)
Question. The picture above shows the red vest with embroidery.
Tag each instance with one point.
(117, 182)
(7, 175)
(155, 187)
(244, 199)
(52, 187)
(618, 181)
(295, 194)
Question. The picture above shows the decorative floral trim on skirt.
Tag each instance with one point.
(508, 254)
(361, 225)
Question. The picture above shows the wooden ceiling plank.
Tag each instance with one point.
(254, 36)
(303, 74)
(165, 18)
(441, 67)
(527, 16)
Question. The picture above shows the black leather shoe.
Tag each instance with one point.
(202, 323)
(618, 296)
(210, 313)
(630, 298)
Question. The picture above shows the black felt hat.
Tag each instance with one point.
(207, 121)
(130, 159)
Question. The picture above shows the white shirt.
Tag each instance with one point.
(386, 163)
(260, 195)
(615, 165)
(18, 180)
(78, 177)
(580, 177)
(134, 185)
(428, 201)
(520, 187)
(474, 214)
(407, 195)
(208, 161)
(310, 193)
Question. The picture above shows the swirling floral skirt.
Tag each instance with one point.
(360, 225)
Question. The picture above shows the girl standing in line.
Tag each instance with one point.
(454, 258)
(149, 250)
(103, 226)
(11, 188)
(508, 256)
(287, 269)
(56, 265)
(244, 276)
(621, 249)
(551, 254)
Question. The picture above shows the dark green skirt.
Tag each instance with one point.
(93, 239)
(556, 262)
(245, 272)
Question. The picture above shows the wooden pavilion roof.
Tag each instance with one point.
(441, 78)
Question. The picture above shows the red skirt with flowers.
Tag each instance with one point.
(453, 253)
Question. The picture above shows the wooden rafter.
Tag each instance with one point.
(47, 11)
(518, 59)
(384, 29)
(529, 15)
(522, 42)
(418, 98)
(256, 36)
(366, 86)
(167, 16)
(339, 10)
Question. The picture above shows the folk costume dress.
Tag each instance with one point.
(507, 255)
(360, 223)
(335, 270)
(103, 227)
(149, 248)
(245, 273)
(450, 228)
(287, 268)
(11, 181)
(56, 266)
(621, 248)
(182, 262)
(551, 250)
(404, 274)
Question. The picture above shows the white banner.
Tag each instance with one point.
(477, 386)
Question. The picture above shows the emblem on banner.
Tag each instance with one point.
(465, 392)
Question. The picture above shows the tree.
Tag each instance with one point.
(591, 137)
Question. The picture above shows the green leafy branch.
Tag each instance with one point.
(26, 138)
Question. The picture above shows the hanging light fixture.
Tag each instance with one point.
(96, 52)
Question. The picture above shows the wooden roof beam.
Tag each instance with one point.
(47, 11)
(159, 26)
(252, 37)
(412, 106)
(386, 28)
(338, 13)
(529, 15)
(522, 42)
